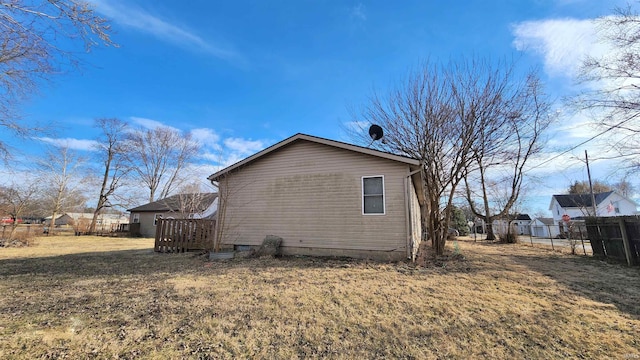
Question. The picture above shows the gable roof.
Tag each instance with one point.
(175, 202)
(545, 221)
(317, 140)
(580, 200)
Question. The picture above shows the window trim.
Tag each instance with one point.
(384, 195)
(136, 218)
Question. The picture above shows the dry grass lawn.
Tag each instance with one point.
(92, 297)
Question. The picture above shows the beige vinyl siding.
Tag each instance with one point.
(146, 224)
(311, 195)
(147, 229)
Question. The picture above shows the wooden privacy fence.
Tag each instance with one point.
(616, 238)
(180, 235)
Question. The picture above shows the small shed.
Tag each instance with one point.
(544, 227)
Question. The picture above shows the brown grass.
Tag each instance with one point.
(92, 297)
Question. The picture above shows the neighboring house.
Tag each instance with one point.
(324, 198)
(180, 206)
(519, 222)
(522, 223)
(103, 222)
(578, 206)
(544, 227)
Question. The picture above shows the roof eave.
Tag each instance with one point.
(216, 176)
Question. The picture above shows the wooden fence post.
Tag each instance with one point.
(625, 241)
(582, 240)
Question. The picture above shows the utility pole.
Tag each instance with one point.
(593, 197)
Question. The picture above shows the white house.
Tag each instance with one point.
(578, 206)
(82, 220)
(544, 227)
(519, 223)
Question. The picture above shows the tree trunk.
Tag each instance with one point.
(489, 229)
(52, 225)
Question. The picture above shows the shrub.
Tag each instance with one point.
(18, 239)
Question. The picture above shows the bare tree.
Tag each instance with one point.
(194, 200)
(449, 117)
(16, 200)
(59, 174)
(33, 40)
(111, 151)
(614, 83)
(158, 158)
(625, 188)
(428, 118)
(515, 115)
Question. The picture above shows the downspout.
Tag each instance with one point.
(408, 217)
(217, 230)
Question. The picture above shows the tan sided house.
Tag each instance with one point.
(144, 218)
(324, 198)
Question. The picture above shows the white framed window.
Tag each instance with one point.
(136, 218)
(373, 195)
(155, 219)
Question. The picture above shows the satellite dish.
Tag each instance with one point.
(375, 132)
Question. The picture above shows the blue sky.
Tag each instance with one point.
(243, 75)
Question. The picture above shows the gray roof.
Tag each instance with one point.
(580, 200)
(546, 221)
(176, 202)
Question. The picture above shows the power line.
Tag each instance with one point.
(582, 143)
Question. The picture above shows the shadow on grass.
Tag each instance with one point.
(120, 262)
(586, 276)
(148, 262)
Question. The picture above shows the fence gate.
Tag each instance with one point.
(180, 235)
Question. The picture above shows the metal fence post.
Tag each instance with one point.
(550, 238)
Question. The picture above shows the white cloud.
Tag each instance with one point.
(75, 144)
(206, 137)
(231, 151)
(128, 15)
(244, 147)
(562, 43)
(150, 123)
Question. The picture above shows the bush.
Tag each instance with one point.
(19, 239)
(509, 237)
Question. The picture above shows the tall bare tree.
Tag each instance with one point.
(111, 148)
(515, 115)
(445, 116)
(37, 39)
(427, 118)
(159, 157)
(613, 81)
(60, 171)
